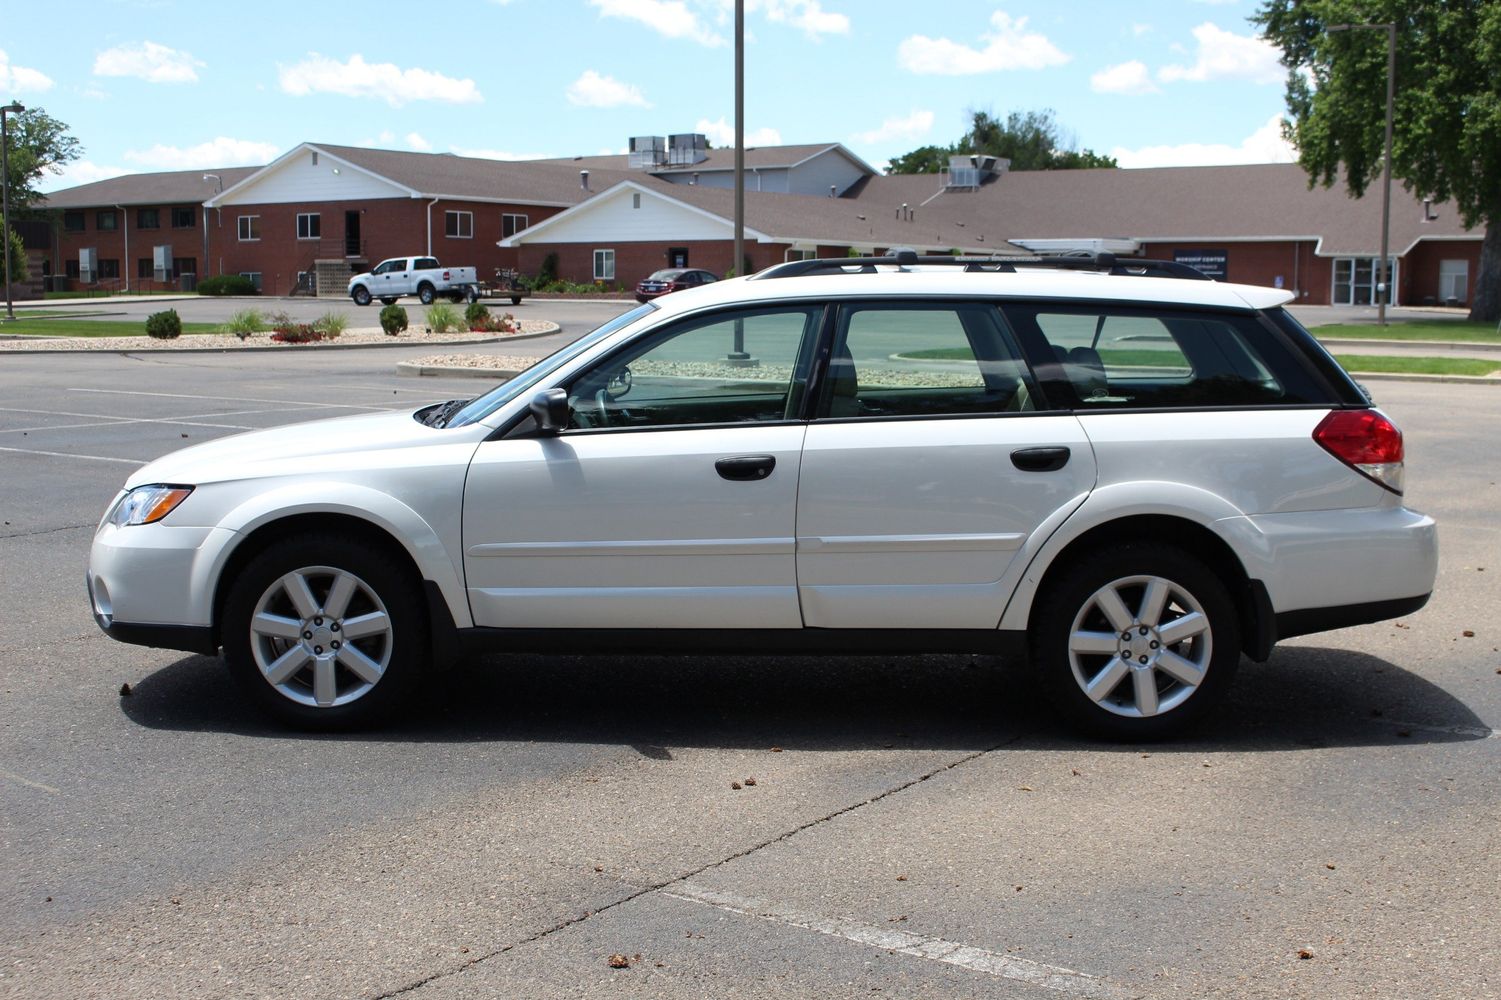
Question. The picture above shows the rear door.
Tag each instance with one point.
(933, 467)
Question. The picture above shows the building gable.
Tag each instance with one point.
(628, 213)
(308, 174)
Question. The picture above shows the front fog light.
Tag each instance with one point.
(147, 504)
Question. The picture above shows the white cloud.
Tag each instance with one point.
(220, 152)
(497, 154)
(722, 134)
(591, 90)
(78, 172)
(808, 15)
(1009, 46)
(19, 79)
(1226, 55)
(670, 18)
(913, 126)
(1127, 78)
(417, 142)
(148, 61)
(1265, 145)
(1138, 30)
(319, 74)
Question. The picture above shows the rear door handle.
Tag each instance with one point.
(1040, 459)
(747, 469)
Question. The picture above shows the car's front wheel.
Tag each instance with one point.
(325, 632)
(1136, 641)
(361, 295)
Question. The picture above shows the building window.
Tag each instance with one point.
(800, 255)
(184, 265)
(250, 228)
(315, 157)
(1453, 282)
(309, 225)
(604, 265)
(109, 267)
(510, 225)
(254, 276)
(70, 269)
(73, 222)
(635, 201)
(459, 225)
(183, 217)
(145, 267)
(106, 221)
(148, 218)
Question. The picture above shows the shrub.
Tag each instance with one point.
(393, 320)
(300, 333)
(477, 312)
(548, 272)
(164, 325)
(227, 284)
(443, 318)
(245, 322)
(495, 324)
(331, 324)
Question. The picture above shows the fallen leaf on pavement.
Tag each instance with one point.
(618, 961)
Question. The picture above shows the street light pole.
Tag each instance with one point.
(218, 188)
(1383, 272)
(13, 108)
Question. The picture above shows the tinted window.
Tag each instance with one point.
(726, 368)
(1115, 357)
(909, 360)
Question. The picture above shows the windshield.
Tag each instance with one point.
(663, 275)
(482, 406)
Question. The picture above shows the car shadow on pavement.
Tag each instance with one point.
(1304, 697)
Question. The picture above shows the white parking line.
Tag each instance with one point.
(1052, 977)
(13, 776)
(64, 454)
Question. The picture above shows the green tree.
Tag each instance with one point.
(18, 270)
(39, 144)
(1031, 140)
(1446, 140)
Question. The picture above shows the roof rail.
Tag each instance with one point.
(1107, 263)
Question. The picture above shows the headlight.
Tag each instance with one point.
(147, 504)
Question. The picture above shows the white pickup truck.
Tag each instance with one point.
(423, 277)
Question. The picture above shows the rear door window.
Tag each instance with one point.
(1110, 356)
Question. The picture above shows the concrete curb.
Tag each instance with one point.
(299, 348)
(1436, 345)
(1419, 377)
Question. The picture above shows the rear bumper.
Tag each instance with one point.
(1310, 620)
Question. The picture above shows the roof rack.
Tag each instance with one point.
(1106, 263)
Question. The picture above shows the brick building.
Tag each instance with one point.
(320, 212)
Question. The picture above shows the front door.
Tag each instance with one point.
(352, 241)
(929, 471)
(670, 500)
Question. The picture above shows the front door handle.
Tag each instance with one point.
(1040, 459)
(747, 469)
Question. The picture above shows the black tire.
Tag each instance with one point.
(472, 295)
(384, 590)
(361, 295)
(456, 297)
(426, 294)
(1071, 635)
(515, 300)
(388, 300)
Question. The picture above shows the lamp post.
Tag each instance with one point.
(218, 189)
(1383, 272)
(13, 108)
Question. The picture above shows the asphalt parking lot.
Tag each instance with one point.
(916, 827)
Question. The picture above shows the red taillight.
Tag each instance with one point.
(1366, 441)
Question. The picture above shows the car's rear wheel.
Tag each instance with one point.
(1136, 642)
(325, 632)
(426, 294)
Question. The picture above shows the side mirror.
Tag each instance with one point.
(550, 410)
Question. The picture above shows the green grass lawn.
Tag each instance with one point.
(1457, 330)
(1417, 366)
(65, 326)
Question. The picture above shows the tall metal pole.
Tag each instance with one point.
(1386, 183)
(14, 109)
(739, 264)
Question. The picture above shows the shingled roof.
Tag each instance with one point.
(756, 158)
(180, 187)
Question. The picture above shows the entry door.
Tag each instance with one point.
(929, 472)
(352, 234)
(670, 500)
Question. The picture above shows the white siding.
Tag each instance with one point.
(298, 180)
(613, 220)
(815, 176)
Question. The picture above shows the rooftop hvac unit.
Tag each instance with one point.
(88, 265)
(648, 151)
(687, 148)
(161, 263)
(963, 173)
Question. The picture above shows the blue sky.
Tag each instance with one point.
(170, 85)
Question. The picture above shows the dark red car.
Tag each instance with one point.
(672, 279)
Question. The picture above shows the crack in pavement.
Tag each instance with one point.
(48, 531)
(686, 876)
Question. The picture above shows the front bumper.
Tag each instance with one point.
(152, 584)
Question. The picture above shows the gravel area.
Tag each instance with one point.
(498, 362)
(262, 341)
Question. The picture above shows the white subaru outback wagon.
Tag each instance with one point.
(1133, 475)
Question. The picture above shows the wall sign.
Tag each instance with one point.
(1212, 262)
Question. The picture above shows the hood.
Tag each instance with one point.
(318, 445)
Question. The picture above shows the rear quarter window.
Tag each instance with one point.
(1105, 356)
